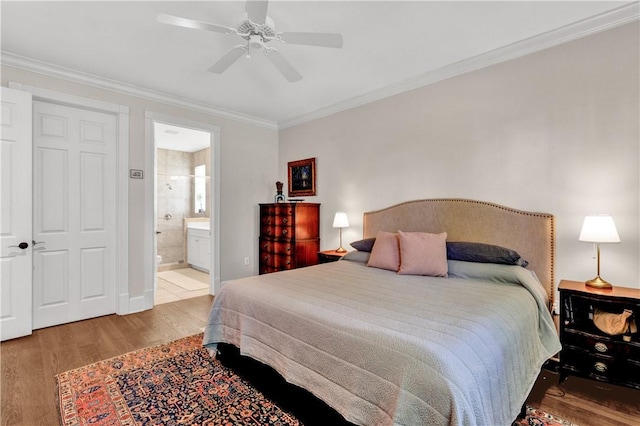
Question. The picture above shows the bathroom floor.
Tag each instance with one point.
(179, 284)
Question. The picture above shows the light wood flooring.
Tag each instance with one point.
(29, 366)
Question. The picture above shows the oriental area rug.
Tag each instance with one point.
(178, 383)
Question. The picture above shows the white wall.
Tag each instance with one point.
(248, 173)
(556, 131)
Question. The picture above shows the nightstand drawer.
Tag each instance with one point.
(597, 344)
(588, 363)
(601, 366)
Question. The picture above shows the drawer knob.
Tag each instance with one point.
(285, 220)
(284, 232)
(601, 347)
(600, 366)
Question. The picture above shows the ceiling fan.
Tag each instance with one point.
(258, 30)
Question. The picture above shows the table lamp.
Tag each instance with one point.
(599, 229)
(340, 221)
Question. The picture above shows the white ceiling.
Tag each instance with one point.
(389, 46)
(177, 138)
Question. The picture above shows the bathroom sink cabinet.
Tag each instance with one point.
(199, 248)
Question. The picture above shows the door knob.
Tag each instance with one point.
(22, 245)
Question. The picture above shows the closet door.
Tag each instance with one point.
(74, 213)
(15, 215)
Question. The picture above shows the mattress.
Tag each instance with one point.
(382, 348)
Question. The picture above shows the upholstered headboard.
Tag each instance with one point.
(531, 234)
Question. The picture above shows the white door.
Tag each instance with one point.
(15, 215)
(74, 214)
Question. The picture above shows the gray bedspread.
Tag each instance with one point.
(384, 349)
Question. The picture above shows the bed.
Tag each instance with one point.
(385, 348)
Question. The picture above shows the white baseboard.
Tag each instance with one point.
(141, 303)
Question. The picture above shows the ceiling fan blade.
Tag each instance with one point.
(313, 39)
(257, 11)
(190, 23)
(227, 60)
(284, 67)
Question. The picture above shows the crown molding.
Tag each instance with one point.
(586, 27)
(32, 65)
(614, 18)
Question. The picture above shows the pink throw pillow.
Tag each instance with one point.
(385, 253)
(423, 254)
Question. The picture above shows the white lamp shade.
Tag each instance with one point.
(599, 229)
(340, 220)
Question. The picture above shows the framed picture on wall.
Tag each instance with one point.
(302, 178)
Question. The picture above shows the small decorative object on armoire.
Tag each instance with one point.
(599, 229)
(340, 220)
(289, 236)
(279, 198)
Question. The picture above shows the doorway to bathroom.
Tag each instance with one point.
(182, 212)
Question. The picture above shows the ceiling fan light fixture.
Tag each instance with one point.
(257, 29)
(256, 41)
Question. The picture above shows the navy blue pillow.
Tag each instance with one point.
(364, 245)
(483, 253)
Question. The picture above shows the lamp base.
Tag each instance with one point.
(341, 250)
(598, 282)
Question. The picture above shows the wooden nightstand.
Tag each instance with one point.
(329, 256)
(589, 352)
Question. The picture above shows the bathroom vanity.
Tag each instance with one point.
(199, 245)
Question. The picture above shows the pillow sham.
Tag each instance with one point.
(385, 253)
(483, 253)
(364, 245)
(422, 253)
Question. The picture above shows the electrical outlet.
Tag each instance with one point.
(246, 261)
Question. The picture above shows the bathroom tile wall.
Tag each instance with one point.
(174, 188)
(175, 199)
